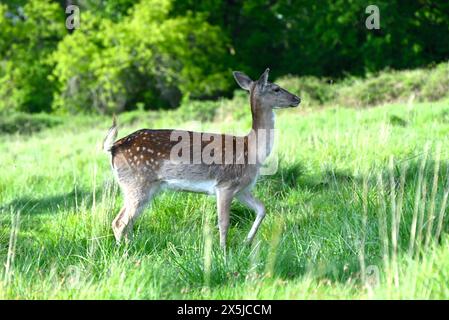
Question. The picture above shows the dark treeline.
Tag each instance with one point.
(154, 53)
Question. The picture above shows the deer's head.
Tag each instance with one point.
(266, 95)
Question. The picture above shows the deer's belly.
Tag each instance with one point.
(205, 186)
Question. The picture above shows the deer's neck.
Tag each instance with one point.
(262, 129)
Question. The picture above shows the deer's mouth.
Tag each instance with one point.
(296, 101)
(292, 103)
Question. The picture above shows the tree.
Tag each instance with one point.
(28, 35)
(148, 57)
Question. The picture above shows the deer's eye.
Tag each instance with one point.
(277, 89)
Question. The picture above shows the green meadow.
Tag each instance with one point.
(357, 208)
(357, 192)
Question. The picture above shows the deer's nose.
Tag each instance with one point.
(297, 100)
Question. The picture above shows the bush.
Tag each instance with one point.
(147, 57)
(383, 87)
(24, 123)
(198, 110)
(313, 90)
(436, 84)
(396, 86)
(27, 38)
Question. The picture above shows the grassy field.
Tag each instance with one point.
(356, 209)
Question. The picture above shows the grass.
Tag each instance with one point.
(356, 209)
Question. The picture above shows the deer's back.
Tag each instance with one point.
(147, 156)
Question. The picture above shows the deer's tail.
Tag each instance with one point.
(111, 136)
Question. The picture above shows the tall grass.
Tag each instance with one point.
(357, 209)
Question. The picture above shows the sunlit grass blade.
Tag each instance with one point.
(274, 244)
(394, 226)
(9, 265)
(416, 205)
(382, 219)
(420, 225)
(431, 215)
(400, 200)
(442, 213)
(363, 231)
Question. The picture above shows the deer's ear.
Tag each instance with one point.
(263, 80)
(243, 80)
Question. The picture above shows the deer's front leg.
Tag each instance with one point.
(250, 201)
(224, 199)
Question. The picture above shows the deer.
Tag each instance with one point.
(144, 163)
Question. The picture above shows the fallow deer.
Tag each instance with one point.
(144, 161)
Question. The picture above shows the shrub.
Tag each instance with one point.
(198, 110)
(395, 86)
(436, 84)
(383, 87)
(147, 57)
(312, 90)
(25, 123)
(27, 37)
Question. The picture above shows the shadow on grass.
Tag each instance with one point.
(52, 204)
(295, 177)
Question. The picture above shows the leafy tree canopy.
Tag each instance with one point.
(156, 52)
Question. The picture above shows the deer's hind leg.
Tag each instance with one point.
(253, 203)
(136, 199)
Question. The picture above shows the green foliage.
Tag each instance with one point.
(313, 90)
(146, 57)
(436, 83)
(381, 88)
(388, 86)
(25, 123)
(395, 86)
(198, 110)
(27, 38)
(114, 10)
(329, 38)
(157, 53)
